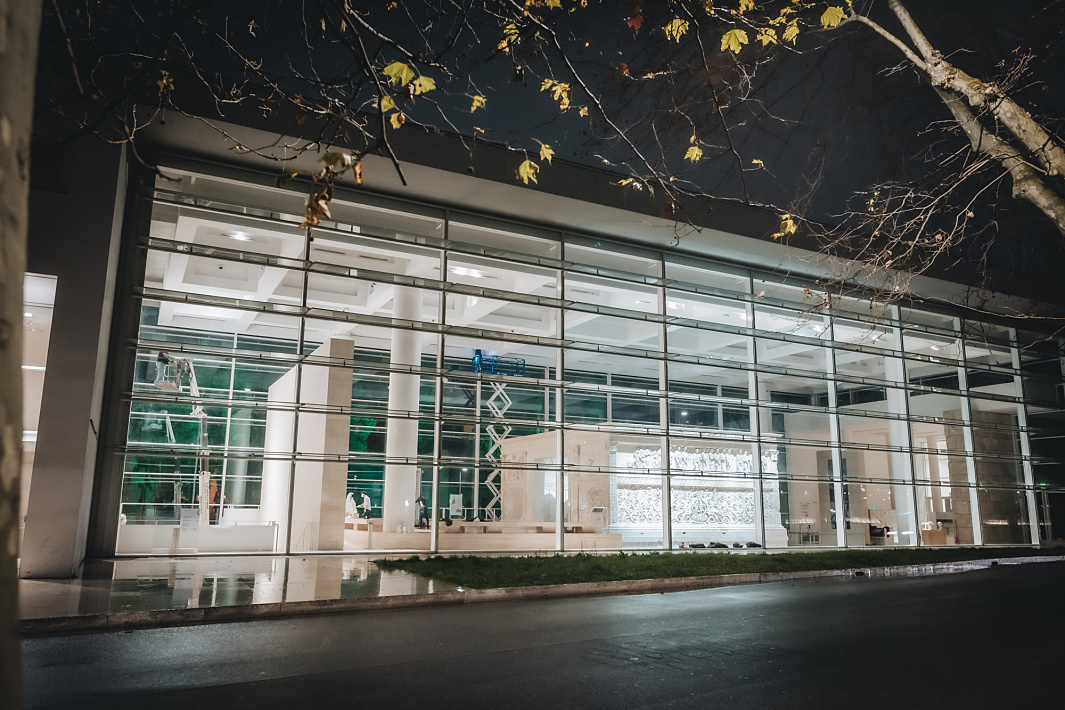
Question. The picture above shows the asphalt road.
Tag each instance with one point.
(991, 638)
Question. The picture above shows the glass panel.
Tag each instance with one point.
(796, 424)
(499, 275)
(936, 513)
(612, 389)
(929, 318)
(231, 195)
(950, 509)
(1041, 370)
(999, 471)
(397, 221)
(780, 320)
(611, 331)
(500, 316)
(713, 278)
(873, 431)
(789, 389)
(859, 333)
(38, 302)
(713, 512)
(806, 298)
(1004, 516)
(611, 293)
(365, 256)
(706, 309)
(861, 307)
(614, 257)
(866, 364)
(880, 515)
(502, 237)
(798, 512)
(708, 343)
(936, 346)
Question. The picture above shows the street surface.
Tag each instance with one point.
(991, 638)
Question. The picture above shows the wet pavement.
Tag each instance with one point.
(985, 639)
(157, 584)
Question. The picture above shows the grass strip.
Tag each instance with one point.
(492, 572)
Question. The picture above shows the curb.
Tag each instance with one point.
(163, 618)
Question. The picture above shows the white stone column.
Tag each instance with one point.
(840, 510)
(970, 445)
(401, 443)
(1026, 447)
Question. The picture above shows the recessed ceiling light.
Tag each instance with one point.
(27, 314)
(240, 236)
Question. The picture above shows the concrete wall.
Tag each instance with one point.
(75, 229)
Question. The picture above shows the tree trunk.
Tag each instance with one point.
(1042, 148)
(19, 28)
(1034, 145)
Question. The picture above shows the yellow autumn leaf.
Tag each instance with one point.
(397, 119)
(527, 171)
(333, 159)
(787, 226)
(387, 104)
(546, 152)
(546, 84)
(553, 3)
(584, 111)
(423, 84)
(478, 102)
(791, 31)
(733, 41)
(675, 29)
(559, 90)
(399, 73)
(758, 163)
(746, 5)
(694, 154)
(767, 35)
(832, 17)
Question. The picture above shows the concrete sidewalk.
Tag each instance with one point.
(148, 593)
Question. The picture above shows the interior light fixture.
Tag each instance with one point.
(240, 236)
(463, 271)
(27, 314)
(38, 368)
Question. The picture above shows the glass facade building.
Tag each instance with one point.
(407, 376)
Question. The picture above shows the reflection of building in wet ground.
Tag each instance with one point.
(159, 584)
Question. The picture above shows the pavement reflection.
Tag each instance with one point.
(147, 584)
